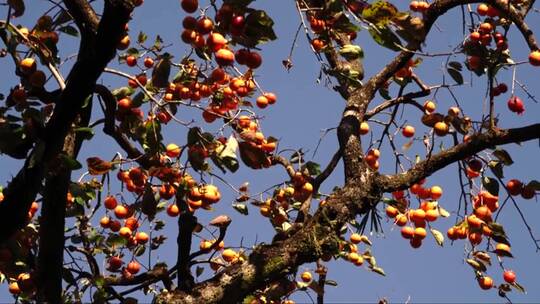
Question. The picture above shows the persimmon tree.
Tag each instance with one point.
(69, 239)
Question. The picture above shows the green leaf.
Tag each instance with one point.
(497, 168)
(242, 208)
(258, 29)
(476, 265)
(351, 52)
(455, 65)
(157, 43)
(384, 36)
(534, 184)
(380, 12)
(139, 250)
(159, 224)
(456, 75)
(68, 276)
(133, 51)
(85, 132)
(330, 282)
(114, 240)
(70, 162)
(69, 30)
(313, 168)
(141, 38)
(384, 93)
(491, 185)
(198, 271)
(123, 92)
(503, 156)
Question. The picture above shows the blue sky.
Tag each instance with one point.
(304, 109)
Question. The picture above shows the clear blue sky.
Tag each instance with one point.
(304, 108)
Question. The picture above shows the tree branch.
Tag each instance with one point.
(80, 84)
(478, 142)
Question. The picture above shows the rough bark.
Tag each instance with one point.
(22, 190)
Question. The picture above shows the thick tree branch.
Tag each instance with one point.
(84, 15)
(319, 179)
(80, 84)
(478, 142)
(268, 263)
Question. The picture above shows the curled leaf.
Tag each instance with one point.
(439, 237)
(97, 166)
(221, 221)
(476, 265)
(378, 270)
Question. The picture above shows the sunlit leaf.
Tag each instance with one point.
(385, 37)
(380, 12)
(439, 237)
(242, 208)
(503, 156)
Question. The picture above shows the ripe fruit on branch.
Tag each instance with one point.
(528, 192)
(355, 238)
(27, 66)
(429, 106)
(485, 282)
(131, 60)
(408, 131)
(407, 232)
(121, 211)
(216, 41)
(229, 255)
(133, 267)
(173, 150)
(306, 276)
(189, 6)
(173, 210)
(514, 187)
(509, 276)
(441, 128)
(115, 263)
(148, 62)
(189, 23)
(224, 57)
(110, 202)
(534, 58)
(391, 211)
(253, 60)
(515, 104)
(364, 128)
(205, 25)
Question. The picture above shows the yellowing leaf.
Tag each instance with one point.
(476, 265)
(443, 212)
(380, 12)
(439, 237)
(378, 270)
(97, 166)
